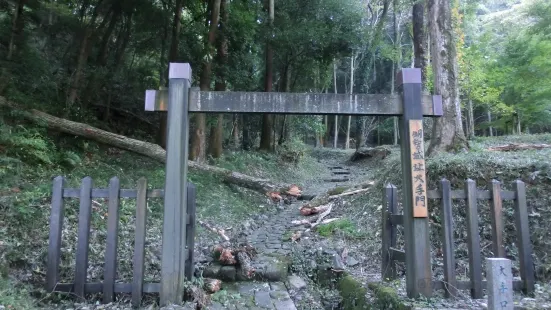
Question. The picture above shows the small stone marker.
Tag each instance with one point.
(500, 284)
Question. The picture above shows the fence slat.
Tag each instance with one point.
(56, 225)
(447, 238)
(110, 271)
(523, 237)
(190, 227)
(388, 233)
(473, 241)
(84, 216)
(139, 243)
(496, 215)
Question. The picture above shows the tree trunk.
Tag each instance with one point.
(267, 119)
(397, 65)
(447, 131)
(216, 131)
(198, 139)
(336, 129)
(16, 28)
(150, 150)
(490, 130)
(82, 60)
(347, 141)
(172, 57)
(235, 132)
(419, 38)
(104, 46)
(470, 119)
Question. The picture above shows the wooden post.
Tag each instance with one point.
(389, 233)
(450, 285)
(496, 215)
(84, 217)
(139, 243)
(416, 224)
(473, 240)
(174, 221)
(523, 238)
(56, 230)
(110, 271)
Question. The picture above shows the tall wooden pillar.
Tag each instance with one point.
(175, 200)
(414, 187)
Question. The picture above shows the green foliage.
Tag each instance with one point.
(14, 296)
(342, 226)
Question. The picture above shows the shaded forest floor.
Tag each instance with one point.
(25, 197)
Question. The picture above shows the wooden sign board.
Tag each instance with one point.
(418, 174)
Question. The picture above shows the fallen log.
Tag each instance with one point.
(150, 150)
(511, 147)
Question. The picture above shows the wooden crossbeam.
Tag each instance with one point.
(292, 103)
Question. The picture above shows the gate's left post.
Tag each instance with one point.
(175, 205)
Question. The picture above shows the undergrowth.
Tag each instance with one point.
(30, 159)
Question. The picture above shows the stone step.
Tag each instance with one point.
(254, 295)
(267, 268)
(337, 180)
(337, 167)
(340, 172)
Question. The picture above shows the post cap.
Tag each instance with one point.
(409, 76)
(179, 71)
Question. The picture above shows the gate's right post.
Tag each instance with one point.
(416, 225)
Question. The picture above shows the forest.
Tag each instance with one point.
(91, 62)
(73, 77)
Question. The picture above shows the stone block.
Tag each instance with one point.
(500, 284)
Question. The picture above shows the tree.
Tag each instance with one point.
(447, 131)
(216, 130)
(198, 139)
(267, 119)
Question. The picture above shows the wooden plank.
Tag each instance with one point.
(293, 103)
(447, 238)
(56, 228)
(190, 234)
(418, 176)
(388, 235)
(496, 216)
(104, 193)
(174, 219)
(473, 241)
(84, 217)
(523, 238)
(139, 243)
(466, 285)
(481, 194)
(416, 229)
(110, 270)
(94, 288)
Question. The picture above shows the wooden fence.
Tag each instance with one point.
(391, 218)
(113, 193)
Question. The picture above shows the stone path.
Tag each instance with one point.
(255, 295)
(272, 287)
